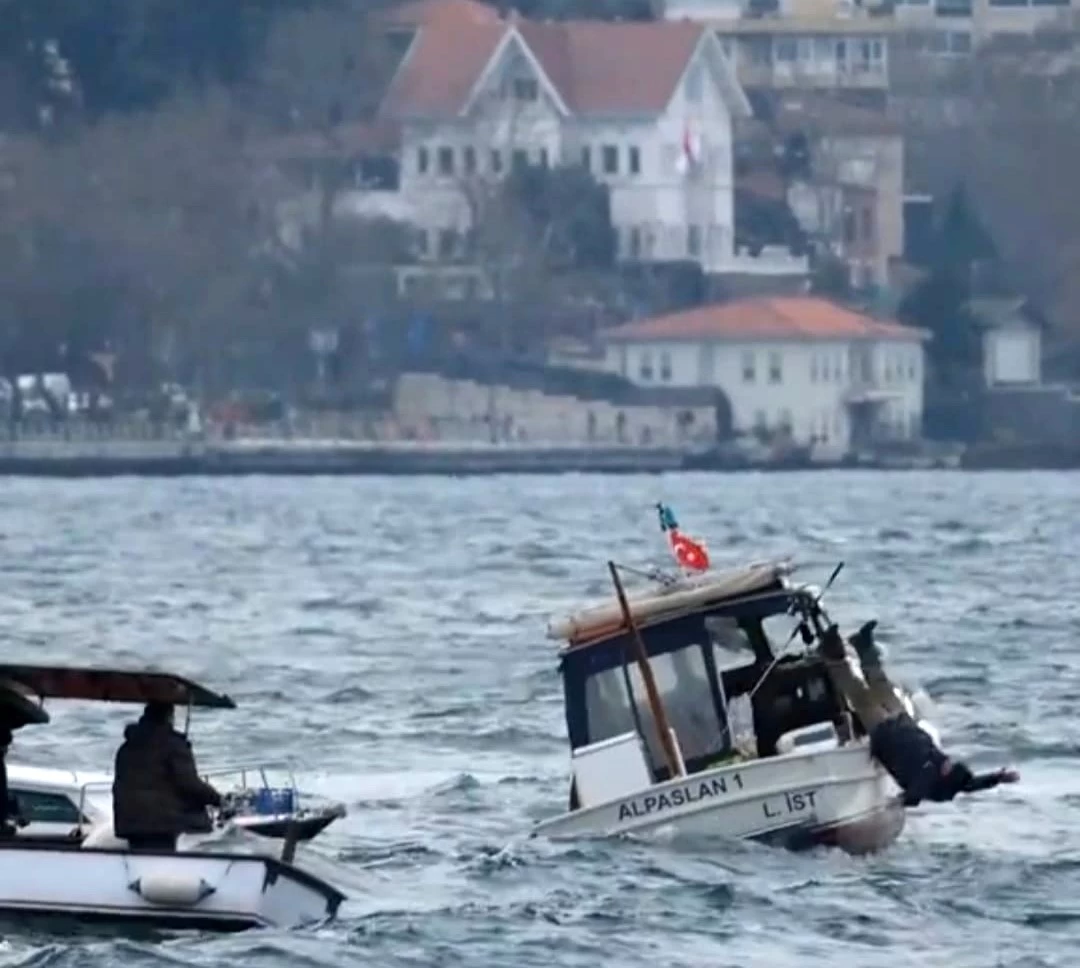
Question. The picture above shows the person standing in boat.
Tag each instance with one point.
(157, 791)
(9, 808)
(922, 770)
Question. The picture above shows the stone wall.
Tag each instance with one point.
(430, 406)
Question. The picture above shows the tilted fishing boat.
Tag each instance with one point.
(683, 716)
(101, 879)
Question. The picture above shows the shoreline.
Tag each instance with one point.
(308, 458)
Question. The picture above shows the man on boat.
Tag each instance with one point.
(157, 791)
(897, 741)
(9, 808)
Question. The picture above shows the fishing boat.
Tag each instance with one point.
(65, 806)
(102, 879)
(683, 717)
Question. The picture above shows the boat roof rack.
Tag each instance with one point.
(112, 685)
(601, 622)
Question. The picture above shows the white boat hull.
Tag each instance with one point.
(839, 796)
(207, 891)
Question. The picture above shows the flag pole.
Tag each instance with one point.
(655, 704)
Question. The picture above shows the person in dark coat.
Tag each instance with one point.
(921, 769)
(9, 808)
(157, 791)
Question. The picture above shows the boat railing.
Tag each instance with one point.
(253, 777)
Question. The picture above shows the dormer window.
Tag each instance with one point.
(526, 89)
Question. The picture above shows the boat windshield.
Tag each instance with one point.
(689, 696)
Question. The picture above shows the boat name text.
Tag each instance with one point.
(680, 796)
(789, 803)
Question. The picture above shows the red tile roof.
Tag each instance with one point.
(787, 317)
(417, 12)
(595, 67)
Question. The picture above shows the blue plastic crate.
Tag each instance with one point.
(270, 801)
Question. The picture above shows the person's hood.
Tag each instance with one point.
(142, 729)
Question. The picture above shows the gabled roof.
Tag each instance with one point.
(415, 13)
(593, 67)
(787, 317)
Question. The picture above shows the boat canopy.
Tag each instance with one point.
(112, 685)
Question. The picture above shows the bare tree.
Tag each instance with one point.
(169, 206)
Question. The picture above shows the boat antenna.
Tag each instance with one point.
(655, 704)
(810, 613)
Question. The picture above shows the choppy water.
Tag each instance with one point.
(390, 634)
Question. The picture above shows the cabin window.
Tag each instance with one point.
(683, 682)
(37, 807)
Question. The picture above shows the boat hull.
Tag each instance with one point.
(838, 797)
(197, 890)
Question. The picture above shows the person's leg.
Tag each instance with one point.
(879, 685)
(848, 683)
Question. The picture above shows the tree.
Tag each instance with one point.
(129, 55)
(144, 233)
(567, 213)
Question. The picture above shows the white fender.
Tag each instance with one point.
(171, 890)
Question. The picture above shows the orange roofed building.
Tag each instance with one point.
(832, 377)
(648, 108)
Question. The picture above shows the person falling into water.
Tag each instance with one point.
(904, 748)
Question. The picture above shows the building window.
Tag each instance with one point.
(635, 243)
(645, 368)
(760, 423)
(447, 243)
(786, 423)
(665, 367)
(611, 160)
(787, 50)
(586, 158)
(526, 89)
(695, 83)
(544, 158)
(825, 369)
(693, 241)
(520, 159)
(446, 161)
(813, 369)
(775, 372)
(422, 161)
(867, 224)
(468, 160)
(635, 160)
(749, 370)
(496, 161)
(911, 368)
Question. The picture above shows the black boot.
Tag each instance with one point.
(863, 642)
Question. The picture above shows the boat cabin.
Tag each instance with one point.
(709, 647)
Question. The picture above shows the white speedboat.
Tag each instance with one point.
(95, 877)
(62, 806)
(684, 718)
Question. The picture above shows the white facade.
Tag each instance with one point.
(811, 386)
(661, 208)
(1012, 355)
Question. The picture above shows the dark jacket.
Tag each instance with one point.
(156, 788)
(914, 760)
